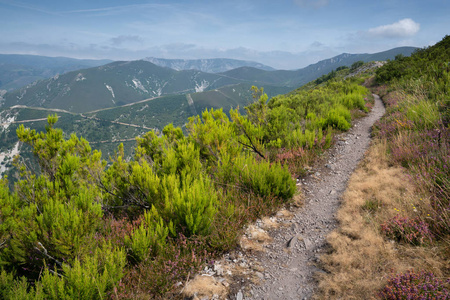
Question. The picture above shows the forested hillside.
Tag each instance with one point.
(106, 129)
(81, 228)
(112, 85)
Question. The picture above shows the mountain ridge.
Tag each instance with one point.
(123, 82)
(114, 84)
(296, 78)
(17, 70)
(208, 65)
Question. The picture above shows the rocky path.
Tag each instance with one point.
(289, 262)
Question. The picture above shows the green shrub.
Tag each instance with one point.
(214, 134)
(190, 206)
(261, 178)
(149, 239)
(424, 114)
(6, 283)
(338, 118)
(90, 278)
(21, 289)
(328, 138)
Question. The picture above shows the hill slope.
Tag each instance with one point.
(115, 84)
(214, 65)
(296, 78)
(121, 83)
(18, 70)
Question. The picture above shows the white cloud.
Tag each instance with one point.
(311, 3)
(403, 28)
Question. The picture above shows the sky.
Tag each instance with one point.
(284, 34)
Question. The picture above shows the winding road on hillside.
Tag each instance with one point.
(290, 261)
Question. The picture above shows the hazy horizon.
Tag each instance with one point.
(287, 34)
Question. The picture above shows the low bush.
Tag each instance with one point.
(415, 286)
(412, 231)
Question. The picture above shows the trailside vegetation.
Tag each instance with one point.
(79, 227)
(395, 220)
(418, 134)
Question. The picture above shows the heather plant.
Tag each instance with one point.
(249, 134)
(158, 276)
(52, 216)
(416, 125)
(50, 223)
(91, 278)
(169, 152)
(238, 208)
(98, 273)
(338, 118)
(409, 230)
(295, 159)
(214, 133)
(6, 283)
(117, 230)
(307, 139)
(149, 239)
(415, 286)
(262, 178)
(190, 206)
(257, 111)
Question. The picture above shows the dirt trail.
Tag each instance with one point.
(290, 260)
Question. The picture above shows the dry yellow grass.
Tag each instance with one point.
(361, 259)
(255, 238)
(285, 214)
(258, 234)
(205, 286)
(269, 223)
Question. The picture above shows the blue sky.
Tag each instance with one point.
(285, 34)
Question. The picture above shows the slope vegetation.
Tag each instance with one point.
(78, 227)
(394, 238)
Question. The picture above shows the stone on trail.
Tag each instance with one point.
(291, 243)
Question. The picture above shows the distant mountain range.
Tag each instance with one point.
(300, 77)
(114, 103)
(122, 83)
(18, 70)
(216, 65)
(111, 85)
